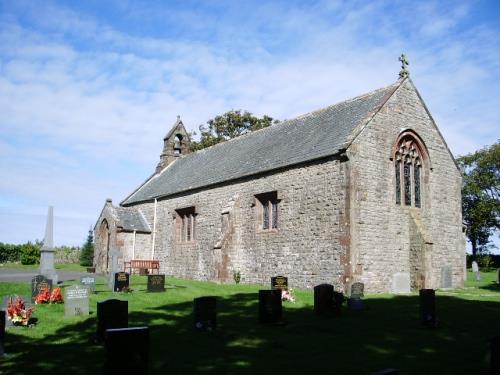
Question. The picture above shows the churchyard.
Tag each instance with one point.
(387, 333)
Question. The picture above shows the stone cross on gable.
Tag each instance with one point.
(404, 64)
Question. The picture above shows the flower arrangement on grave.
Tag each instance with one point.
(287, 295)
(127, 289)
(56, 296)
(17, 311)
(43, 296)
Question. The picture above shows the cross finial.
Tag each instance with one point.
(404, 63)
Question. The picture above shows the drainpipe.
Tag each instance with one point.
(133, 245)
(154, 232)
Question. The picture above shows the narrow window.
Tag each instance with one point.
(416, 183)
(267, 203)
(185, 224)
(398, 181)
(407, 181)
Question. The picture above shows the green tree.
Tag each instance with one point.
(87, 253)
(30, 253)
(229, 125)
(481, 195)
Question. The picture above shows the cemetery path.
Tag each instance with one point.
(24, 275)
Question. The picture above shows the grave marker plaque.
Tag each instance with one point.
(89, 282)
(76, 300)
(156, 283)
(127, 351)
(111, 313)
(279, 282)
(401, 283)
(427, 299)
(270, 307)
(446, 277)
(121, 281)
(323, 299)
(39, 283)
(205, 315)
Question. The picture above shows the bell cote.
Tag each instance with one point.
(176, 144)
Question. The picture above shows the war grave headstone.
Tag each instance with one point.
(89, 282)
(355, 302)
(127, 351)
(122, 280)
(76, 300)
(401, 283)
(111, 313)
(270, 307)
(47, 252)
(475, 270)
(113, 268)
(427, 299)
(205, 314)
(494, 344)
(39, 283)
(279, 282)
(323, 299)
(156, 283)
(446, 277)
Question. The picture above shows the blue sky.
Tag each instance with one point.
(88, 89)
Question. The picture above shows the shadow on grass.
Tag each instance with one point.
(387, 334)
(491, 286)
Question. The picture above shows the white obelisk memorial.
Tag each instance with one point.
(47, 252)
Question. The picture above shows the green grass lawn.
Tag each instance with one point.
(58, 266)
(387, 334)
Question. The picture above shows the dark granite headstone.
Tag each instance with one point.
(39, 283)
(338, 300)
(2, 332)
(357, 290)
(323, 299)
(427, 299)
(127, 351)
(495, 354)
(122, 280)
(279, 282)
(270, 307)
(205, 314)
(76, 300)
(111, 313)
(156, 283)
(89, 282)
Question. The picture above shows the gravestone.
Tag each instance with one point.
(494, 344)
(357, 290)
(323, 299)
(5, 305)
(156, 283)
(446, 277)
(47, 251)
(111, 313)
(204, 312)
(270, 307)
(121, 281)
(279, 282)
(338, 300)
(475, 270)
(76, 300)
(401, 283)
(2, 332)
(89, 282)
(427, 298)
(39, 283)
(498, 276)
(127, 351)
(113, 268)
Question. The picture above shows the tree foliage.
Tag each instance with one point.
(87, 252)
(229, 125)
(481, 195)
(31, 253)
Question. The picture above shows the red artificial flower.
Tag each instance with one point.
(43, 296)
(56, 296)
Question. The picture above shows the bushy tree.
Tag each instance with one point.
(30, 253)
(229, 125)
(481, 195)
(87, 252)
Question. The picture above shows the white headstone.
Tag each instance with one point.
(47, 252)
(401, 283)
(76, 300)
(475, 267)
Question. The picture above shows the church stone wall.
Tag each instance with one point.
(307, 247)
(389, 238)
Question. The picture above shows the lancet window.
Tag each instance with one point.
(408, 171)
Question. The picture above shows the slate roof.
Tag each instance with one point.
(130, 219)
(311, 136)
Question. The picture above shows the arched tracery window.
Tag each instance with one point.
(409, 154)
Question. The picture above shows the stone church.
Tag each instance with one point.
(364, 190)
